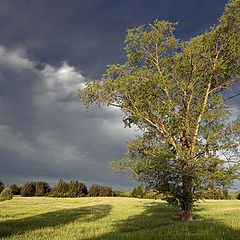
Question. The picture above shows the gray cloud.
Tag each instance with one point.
(46, 132)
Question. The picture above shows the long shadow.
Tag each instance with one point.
(161, 222)
(52, 219)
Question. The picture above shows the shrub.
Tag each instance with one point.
(238, 196)
(6, 194)
(100, 191)
(15, 189)
(1, 186)
(53, 192)
(42, 188)
(77, 189)
(62, 188)
(146, 190)
(105, 191)
(28, 189)
(94, 190)
(138, 192)
(127, 194)
(118, 193)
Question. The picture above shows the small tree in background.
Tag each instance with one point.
(94, 190)
(1, 186)
(42, 188)
(105, 191)
(62, 188)
(28, 189)
(238, 196)
(6, 194)
(77, 189)
(146, 190)
(118, 193)
(138, 192)
(16, 190)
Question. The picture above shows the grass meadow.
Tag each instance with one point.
(115, 218)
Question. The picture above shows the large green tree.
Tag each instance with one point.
(172, 91)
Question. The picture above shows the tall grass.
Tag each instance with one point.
(115, 218)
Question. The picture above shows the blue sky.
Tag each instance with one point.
(47, 48)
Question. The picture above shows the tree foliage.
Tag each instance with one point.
(77, 189)
(94, 190)
(1, 186)
(15, 189)
(6, 194)
(42, 188)
(138, 192)
(62, 188)
(105, 191)
(100, 191)
(172, 91)
(238, 196)
(28, 189)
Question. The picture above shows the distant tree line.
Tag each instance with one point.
(62, 189)
(77, 189)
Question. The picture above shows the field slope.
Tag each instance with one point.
(115, 218)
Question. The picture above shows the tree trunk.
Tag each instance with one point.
(187, 215)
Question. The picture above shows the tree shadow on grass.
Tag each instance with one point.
(52, 219)
(161, 222)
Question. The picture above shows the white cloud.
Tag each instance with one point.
(62, 82)
(16, 59)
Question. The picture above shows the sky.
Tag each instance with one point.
(47, 49)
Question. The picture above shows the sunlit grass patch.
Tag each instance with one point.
(115, 218)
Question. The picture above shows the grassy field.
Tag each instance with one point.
(115, 218)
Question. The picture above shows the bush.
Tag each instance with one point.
(28, 189)
(16, 190)
(6, 194)
(53, 192)
(118, 193)
(100, 191)
(138, 192)
(77, 189)
(238, 196)
(62, 188)
(105, 191)
(214, 193)
(127, 194)
(42, 188)
(1, 186)
(94, 190)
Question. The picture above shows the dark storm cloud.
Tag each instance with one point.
(90, 34)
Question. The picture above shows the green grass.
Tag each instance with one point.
(115, 218)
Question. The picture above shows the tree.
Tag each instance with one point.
(42, 188)
(238, 196)
(138, 192)
(105, 191)
(1, 186)
(28, 189)
(94, 190)
(147, 190)
(77, 189)
(62, 188)
(100, 191)
(172, 91)
(15, 189)
(6, 194)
